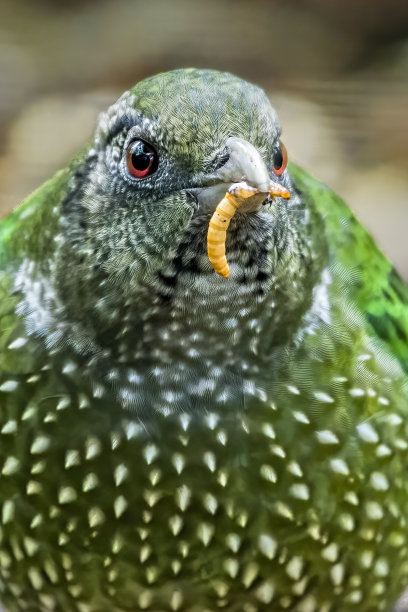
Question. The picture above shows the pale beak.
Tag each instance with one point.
(244, 165)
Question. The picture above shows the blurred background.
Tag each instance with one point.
(337, 72)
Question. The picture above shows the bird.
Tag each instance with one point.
(180, 434)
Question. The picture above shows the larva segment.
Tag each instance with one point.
(219, 223)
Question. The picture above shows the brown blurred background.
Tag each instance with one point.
(336, 70)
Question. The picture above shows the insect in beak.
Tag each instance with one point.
(235, 197)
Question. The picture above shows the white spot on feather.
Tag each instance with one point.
(367, 433)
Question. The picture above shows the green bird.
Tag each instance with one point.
(172, 440)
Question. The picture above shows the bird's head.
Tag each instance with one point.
(136, 218)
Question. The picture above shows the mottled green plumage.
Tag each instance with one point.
(172, 440)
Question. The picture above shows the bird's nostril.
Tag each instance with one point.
(221, 159)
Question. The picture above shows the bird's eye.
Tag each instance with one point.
(280, 159)
(141, 159)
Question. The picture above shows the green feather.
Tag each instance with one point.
(371, 282)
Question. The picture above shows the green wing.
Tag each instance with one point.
(373, 284)
(29, 230)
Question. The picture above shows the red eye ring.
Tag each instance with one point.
(280, 159)
(141, 159)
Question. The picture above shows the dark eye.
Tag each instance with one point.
(280, 159)
(141, 159)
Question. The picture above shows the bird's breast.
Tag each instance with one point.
(244, 503)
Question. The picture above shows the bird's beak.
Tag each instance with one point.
(244, 164)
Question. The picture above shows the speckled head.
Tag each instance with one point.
(129, 231)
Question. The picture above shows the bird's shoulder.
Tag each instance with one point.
(363, 275)
(18, 350)
(26, 241)
(29, 230)
(31, 227)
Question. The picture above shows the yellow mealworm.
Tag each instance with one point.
(219, 223)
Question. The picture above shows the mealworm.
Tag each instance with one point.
(219, 223)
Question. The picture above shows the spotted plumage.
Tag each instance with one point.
(171, 440)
